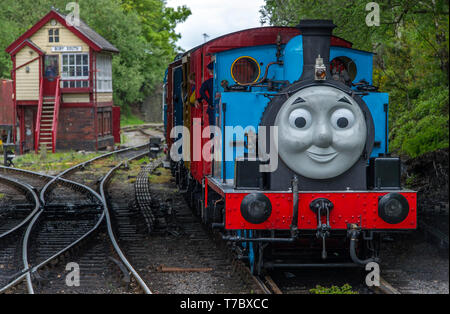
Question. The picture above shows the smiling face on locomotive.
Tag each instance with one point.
(322, 132)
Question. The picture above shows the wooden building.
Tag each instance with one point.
(62, 87)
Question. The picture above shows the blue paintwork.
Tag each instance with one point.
(251, 252)
(375, 102)
(362, 59)
(293, 56)
(246, 108)
(263, 54)
(242, 109)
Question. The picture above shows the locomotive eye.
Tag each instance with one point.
(300, 119)
(342, 119)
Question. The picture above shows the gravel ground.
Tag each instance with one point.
(135, 138)
(412, 265)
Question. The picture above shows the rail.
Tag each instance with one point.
(27, 270)
(110, 230)
(26, 273)
(30, 192)
(45, 189)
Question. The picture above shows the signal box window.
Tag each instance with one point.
(53, 35)
(75, 70)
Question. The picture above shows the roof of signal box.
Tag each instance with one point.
(83, 31)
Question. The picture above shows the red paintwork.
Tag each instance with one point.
(76, 90)
(6, 103)
(28, 44)
(76, 105)
(49, 88)
(200, 57)
(26, 63)
(56, 114)
(27, 103)
(359, 207)
(21, 117)
(169, 102)
(105, 104)
(116, 123)
(349, 207)
(257, 37)
(37, 131)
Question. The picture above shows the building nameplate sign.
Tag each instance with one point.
(67, 48)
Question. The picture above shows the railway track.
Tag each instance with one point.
(13, 218)
(68, 224)
(124, 229)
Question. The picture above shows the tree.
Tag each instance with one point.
(158, 28)
(142, 30)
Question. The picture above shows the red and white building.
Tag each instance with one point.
(62, 87)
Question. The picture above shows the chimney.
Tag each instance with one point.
(316, 42)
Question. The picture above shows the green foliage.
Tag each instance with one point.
(130, 120)
(143, 31)
(53, 163)
(411, 61)
(345, 289)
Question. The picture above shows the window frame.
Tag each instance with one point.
(53, 35)
(67, 79)
(104, 73)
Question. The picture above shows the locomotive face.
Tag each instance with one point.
(322, 132)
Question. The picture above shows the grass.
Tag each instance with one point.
(129, 175)
(123, 139)
(52, 162)
(160, 176)
(2, 195)
(345, 289)
(130, 120)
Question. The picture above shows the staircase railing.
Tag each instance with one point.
(37, 133)
(56, 114)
